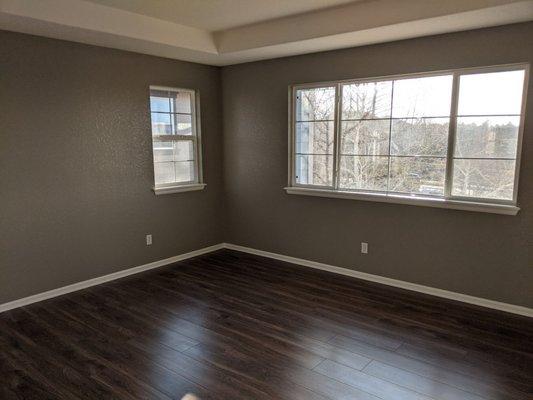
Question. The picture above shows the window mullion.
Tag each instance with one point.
(173, 138)
(390, 136)
(452, 128)
(336, 137)
(292, 137)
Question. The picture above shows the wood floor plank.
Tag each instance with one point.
(368, 383)
(22, 381)
(418, 383)
(285, 340)
(150, 366)
(229, 325)
(360, 307)
(465, 364)
(293, 383)
(245, 335)
(376, 303)
(87, 378)
(484, 384)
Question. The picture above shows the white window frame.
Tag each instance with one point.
(197, 183)
(497, 206)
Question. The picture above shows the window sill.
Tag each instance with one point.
(178, 188)
(416, 201)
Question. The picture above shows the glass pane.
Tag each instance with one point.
(183, 124)
(422, 97)
(314, 137)
(159, 101)
(182, 150)
(487, 137)
(367, 100)
(491, 179)
(161, 124)
(181, 102)
(173, 172)
(164, 172)
(184, 171)
(417, 175)
(364, 173)
(420, 137)
(491, 93)
(365, 137)
(315, 104)
(314, 170)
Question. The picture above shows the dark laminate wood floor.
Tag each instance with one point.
(233, 326)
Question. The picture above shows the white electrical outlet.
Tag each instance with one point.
(364, 248)
(148, 240)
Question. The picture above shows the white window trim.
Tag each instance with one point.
(161, 189)
(452, 202)
(198, 182)
(409, 200)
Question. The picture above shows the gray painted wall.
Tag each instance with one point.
(76, 170)
(474, 253)
(76, 164)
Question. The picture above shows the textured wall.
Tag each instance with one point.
(76, 164)
(479, 254)
(76, 170)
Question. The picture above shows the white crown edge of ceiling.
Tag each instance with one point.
(90, 23)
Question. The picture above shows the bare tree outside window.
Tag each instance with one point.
(405, 123)
(315, 113)
(488, 119)
(448, 135)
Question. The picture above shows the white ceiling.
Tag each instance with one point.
(224, 32)
(216, 15)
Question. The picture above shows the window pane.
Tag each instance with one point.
(420, 136)
(315, 104)
(422, 97)
(364, 173)
(171, 124)
(164, 172)
(493, 93)
(181, 102)
(487, 137)
(367, 100)
(159, 101)
(492, 179)
(182, 150)
(161, 124)
(365, 137)
(173, 172)
(184, 171)
(314, 170)
(417, 175)
(314, 137)
(182, 124)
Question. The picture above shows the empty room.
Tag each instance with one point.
(266, 199)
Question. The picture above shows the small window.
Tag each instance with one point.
(175, 139)
(451, 137)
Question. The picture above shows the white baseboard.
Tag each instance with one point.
(106, 278)
(478, 301)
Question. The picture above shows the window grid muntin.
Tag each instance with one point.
(452, 126)
(391, 156)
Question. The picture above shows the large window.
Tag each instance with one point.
(449, 137)
(175, 139)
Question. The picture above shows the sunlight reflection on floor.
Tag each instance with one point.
(189, 396)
